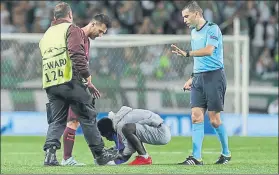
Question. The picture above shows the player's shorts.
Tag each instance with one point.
(208, 90)
(71, 115)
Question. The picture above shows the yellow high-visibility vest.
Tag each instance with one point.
(56, 63)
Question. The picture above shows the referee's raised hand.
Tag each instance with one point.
(177, 50)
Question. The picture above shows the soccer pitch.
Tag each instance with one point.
(250, 155)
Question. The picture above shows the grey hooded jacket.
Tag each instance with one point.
(129, 115)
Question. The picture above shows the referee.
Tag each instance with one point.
(64, 67)
(208, 81)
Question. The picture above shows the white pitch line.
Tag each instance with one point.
(203, 152)
(164, 152)
(152, 152)
(22, 153)
(211, 152)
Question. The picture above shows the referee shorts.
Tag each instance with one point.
(208, 90)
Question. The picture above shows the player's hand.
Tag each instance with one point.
(187, 85)
(94, 91)
(177, 50)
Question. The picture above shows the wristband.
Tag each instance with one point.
(187, 53)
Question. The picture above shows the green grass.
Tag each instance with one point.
(250, 155)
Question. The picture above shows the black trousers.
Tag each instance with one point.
(76, 95)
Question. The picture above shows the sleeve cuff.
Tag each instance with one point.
(85, 74)
(213, 44)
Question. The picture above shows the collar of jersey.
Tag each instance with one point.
(202, 26)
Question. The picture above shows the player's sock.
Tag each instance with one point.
(197, 139)
(145, 156)
(68, 140)
(223, 137)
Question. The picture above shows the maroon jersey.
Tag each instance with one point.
(78, 49)
(87, 46)
(71, 115)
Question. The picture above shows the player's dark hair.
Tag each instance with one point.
(193, 6)
(61, 10)
(105, 126)
(103, 19)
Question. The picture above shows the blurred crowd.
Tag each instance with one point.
(258, 19)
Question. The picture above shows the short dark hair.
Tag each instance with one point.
(193, 6)
(105, 126)
(103, 19)
(61, 10)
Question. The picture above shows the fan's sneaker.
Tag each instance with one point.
(141, 161)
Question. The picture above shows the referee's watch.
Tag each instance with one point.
(192, 75)
(187, 53)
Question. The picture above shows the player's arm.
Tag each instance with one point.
(76, 51)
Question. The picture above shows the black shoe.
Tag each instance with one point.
(112, 150)
(50, 157)
(223, 159)
(106, 156)
(191, 161)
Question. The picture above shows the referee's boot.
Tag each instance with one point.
(191, 161)
(50, 157)
(223, 159)
(105, 156)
